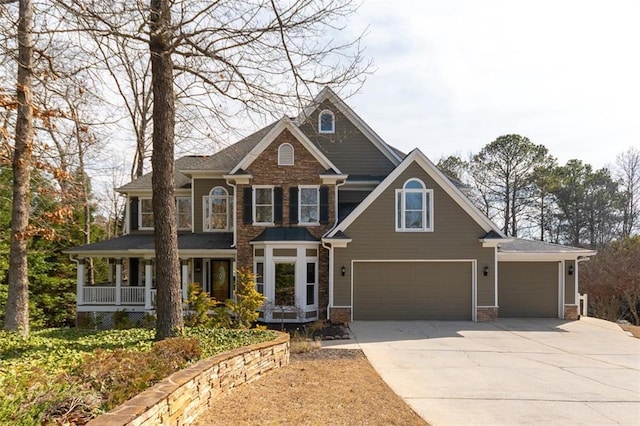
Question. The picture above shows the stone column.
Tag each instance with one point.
(148, 282)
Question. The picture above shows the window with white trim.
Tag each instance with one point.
(326, 122)
(217, 208)
(414, 207)
(285, 155)
(183, 209)
(145, 213)
(183, 213)
(263, 204)
(309, 205)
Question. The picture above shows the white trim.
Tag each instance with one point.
(292, 160)
(474, 277)
(300, 188)
(206, 204)
(333, 122)
(427, 203)
(328, 94)
(541, 257)
(561, 289)
(254, 205)
(495, 277)
(140, 227)
(190, 199)
(284, 123)
(418, 157)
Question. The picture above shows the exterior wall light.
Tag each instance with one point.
(570, 270)
(343, 270)
(485, 270)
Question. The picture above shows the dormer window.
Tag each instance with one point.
(326, 122)
(285, 155)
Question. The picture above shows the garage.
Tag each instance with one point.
(528, 289)
(412, 290)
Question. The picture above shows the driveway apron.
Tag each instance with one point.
(511, 371)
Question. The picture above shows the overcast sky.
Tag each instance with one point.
(453, 75)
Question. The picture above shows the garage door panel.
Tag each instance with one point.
(412, 291)
(528, 289)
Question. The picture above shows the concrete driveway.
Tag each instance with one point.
(512, 371)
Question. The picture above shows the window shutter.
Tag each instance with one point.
(277, 204)
(293, 205)
(247, 206)
(324, 204)
(133, 213)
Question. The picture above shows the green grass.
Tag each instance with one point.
(39, 376)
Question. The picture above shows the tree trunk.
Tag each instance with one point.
(168, 297)
(17, 312)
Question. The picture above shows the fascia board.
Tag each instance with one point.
(417, 156)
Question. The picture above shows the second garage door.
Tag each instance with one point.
(412, 291)
(528, 289)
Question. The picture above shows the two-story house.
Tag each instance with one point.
(336, 224)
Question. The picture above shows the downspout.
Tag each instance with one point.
(335, 204)
(330, 302)
(330, 248)
(235, 202)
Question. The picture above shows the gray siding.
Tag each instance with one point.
(570, 283)
(455, 236)
(348, 148)
(412, 291)
(528, 289)
(202, 187)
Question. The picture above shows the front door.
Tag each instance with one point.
(220, 280)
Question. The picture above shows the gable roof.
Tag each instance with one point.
(416, 156)
(326, 94)
(283, 124)
(143, 183)
(226, 159)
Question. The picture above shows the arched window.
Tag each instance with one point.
(414, 207)
(285, 155)
(326, 122)
(216, 210)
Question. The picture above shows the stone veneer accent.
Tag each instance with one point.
(572, 312)
(305, 171)
(340, 315)
(486, 313)
(182, 397)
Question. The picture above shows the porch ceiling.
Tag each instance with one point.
(143, 243)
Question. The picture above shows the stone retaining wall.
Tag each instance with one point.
(181, 397)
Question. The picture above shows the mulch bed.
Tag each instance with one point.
(320, 387)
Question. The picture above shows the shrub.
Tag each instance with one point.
(244, 309)
(121, 320)
(199, 305)
(121, 374)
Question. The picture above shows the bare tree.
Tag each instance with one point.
(17, 312)
(628, 174)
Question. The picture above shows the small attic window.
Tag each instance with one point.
(285, 155)
(326, 122)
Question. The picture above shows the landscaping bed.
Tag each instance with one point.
(68, 376)
(322, 386)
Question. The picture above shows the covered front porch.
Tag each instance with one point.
(119, 274)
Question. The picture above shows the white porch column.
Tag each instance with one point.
(185, 280)
(119, 281)
(148, 282)
(80, 283)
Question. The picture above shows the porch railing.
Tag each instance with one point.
(106, 295)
